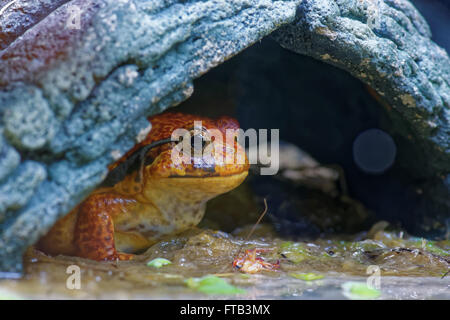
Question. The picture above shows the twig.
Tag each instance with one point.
(254, 226)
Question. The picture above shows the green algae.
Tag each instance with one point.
(359, 291)
(213, 285)
(158, 263)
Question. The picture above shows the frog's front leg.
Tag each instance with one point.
(94, 231)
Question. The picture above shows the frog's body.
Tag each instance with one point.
(131, 215)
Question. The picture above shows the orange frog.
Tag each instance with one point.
(147, 196)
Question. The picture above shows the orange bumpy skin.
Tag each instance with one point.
(151, 202)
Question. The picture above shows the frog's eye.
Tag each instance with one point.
(198, 140)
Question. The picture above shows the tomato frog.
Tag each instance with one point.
(144, 201)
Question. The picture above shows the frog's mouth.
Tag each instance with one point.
(207, 171)
(199, 168)
(204, 175)
(207, 186)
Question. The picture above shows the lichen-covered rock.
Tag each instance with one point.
(78, 78)
(18, 16)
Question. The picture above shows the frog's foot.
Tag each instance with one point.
(94, 231)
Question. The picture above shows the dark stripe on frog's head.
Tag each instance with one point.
(132, 164)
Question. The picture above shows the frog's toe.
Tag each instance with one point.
(125, 256)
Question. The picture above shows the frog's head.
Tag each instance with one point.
(180, 189)
(220, 166)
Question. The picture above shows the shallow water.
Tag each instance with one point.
(409, 269)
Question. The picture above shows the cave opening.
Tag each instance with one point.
(329, 114)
